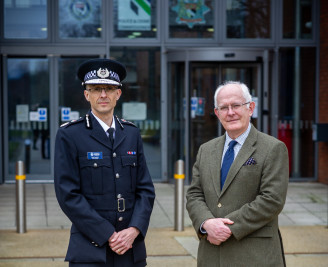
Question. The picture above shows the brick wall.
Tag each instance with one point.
(323, 90)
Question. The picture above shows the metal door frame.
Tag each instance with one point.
(248, 56)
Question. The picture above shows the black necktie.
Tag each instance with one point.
(111, 136)
(227, 161)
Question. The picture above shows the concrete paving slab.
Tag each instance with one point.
(305, 239)
(307, 260)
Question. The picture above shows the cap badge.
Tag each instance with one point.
(103, 73)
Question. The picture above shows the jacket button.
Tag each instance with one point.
(134, 164)
(120, 219)
(117, 175)
(114, 155)
(95, 165)
(219, 205)
(119, 196)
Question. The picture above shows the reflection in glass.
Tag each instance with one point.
(296, 108)
(28, 115)
(248, 18)
(140, 100)
(176, 117)
(80, 19)
(72, 103)
(297, 19)
(203, 121)
(191, 19)
(25, 19)
(135, 19)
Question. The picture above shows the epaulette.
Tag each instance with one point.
(69, 123)
(120, 121)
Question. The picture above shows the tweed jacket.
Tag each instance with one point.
(253, 195)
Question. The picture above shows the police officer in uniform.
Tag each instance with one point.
(102, 182)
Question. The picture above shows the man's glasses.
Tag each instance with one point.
(234, 107)
(98, 90)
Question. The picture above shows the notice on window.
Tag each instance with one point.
(40, 115)
(22, 113)
(255, 112)
(134, 15)
(134, 111)
(67, 114)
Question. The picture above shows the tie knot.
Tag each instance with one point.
(110, 131)
(232, 144)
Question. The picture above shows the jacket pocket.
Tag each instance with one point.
(80, 249)
(92, 173)
(265, 231)
(129, 164)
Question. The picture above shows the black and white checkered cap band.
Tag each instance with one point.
(92, 78)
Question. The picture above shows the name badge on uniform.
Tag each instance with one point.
(95, 155)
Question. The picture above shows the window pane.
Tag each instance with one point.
(140, 101)
(72, 103)
(25, 19)
(80, 19)
(248, 18)
(28, 115)
(297, 20)
(297, 108)
(135, 19)
(191, 19)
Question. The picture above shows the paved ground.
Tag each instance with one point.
(303, 225)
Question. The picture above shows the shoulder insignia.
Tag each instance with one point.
(122, 121)
(128, 122)
(88, 122)
(66, 124)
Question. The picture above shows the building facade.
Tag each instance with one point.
(176, 52)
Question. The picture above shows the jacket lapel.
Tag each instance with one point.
(119, 134)
(244, 154)
(215, 163)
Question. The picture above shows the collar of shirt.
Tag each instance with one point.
(104, 125)
(240, 141)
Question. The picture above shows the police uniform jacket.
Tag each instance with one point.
(102, 188)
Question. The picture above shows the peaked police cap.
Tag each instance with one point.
(101, 71)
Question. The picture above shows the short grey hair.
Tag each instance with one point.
(244, 88)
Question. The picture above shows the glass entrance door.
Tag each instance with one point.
(204, 79)
(189, 131)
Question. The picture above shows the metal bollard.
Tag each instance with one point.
(179, 177)
(20, 198)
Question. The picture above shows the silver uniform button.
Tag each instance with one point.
(114, 155)
(95, 165)
(134, 164)
(119, 196)
(219, 205)
(120, 219)
(117, 175)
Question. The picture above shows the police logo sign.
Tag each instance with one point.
(190, 12)
(80, 9)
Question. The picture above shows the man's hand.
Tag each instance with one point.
(122, 241)
(217, 231)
